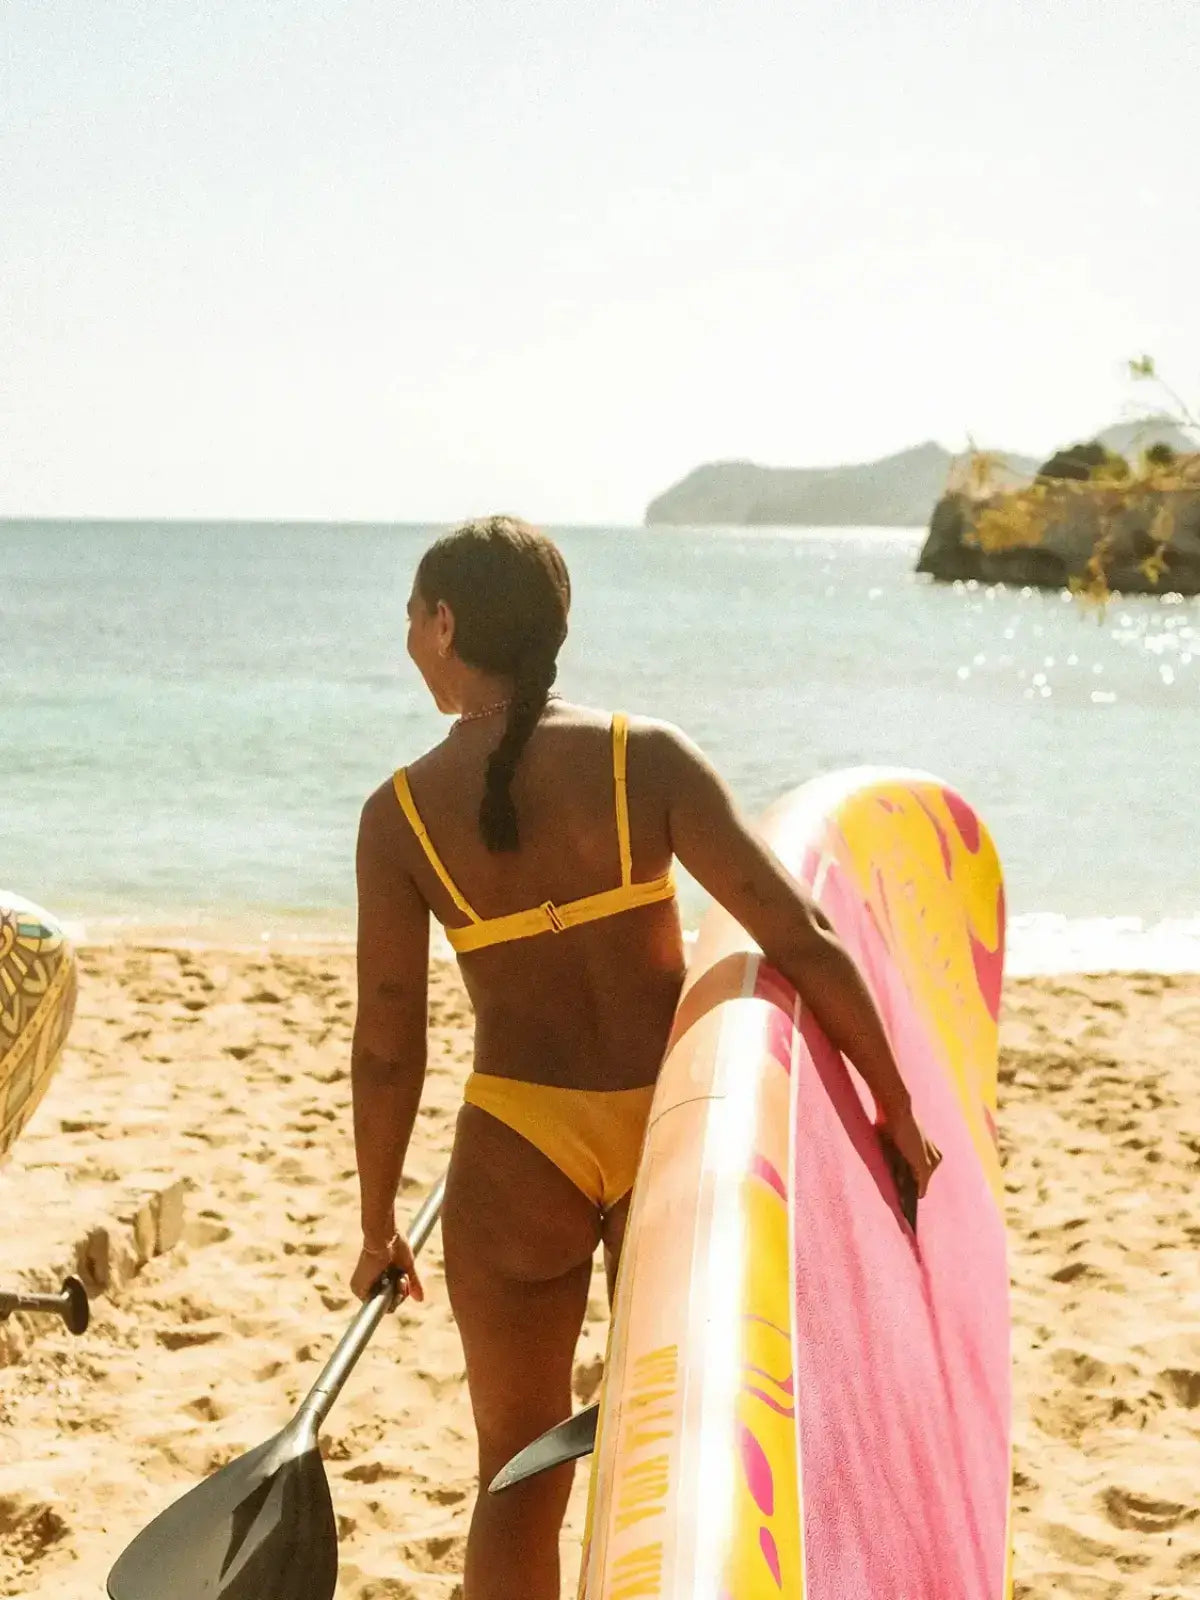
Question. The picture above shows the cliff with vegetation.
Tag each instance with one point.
(898, 491)
(1089, 521)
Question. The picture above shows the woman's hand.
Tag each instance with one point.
(371, 1263)
(922, 1155)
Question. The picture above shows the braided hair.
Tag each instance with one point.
(508, 587)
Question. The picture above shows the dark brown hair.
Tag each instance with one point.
(508, 587)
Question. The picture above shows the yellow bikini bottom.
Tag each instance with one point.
(593, 1136)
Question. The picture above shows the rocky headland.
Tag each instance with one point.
(1144, 540)
(1089, 519)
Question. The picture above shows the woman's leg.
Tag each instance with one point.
(519, 1240)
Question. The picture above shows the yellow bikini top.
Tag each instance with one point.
(547, 918)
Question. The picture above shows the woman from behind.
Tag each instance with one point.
(542, 834)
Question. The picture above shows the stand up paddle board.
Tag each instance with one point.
(38, 986)
(806, 1395)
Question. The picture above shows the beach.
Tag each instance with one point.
(226, 1071)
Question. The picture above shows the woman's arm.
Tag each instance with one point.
(720, 850)
(387, 1058)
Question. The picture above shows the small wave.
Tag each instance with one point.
(213, 930)
(1043, 942)
(1039, 943)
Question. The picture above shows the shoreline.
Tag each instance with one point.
(1040, 944)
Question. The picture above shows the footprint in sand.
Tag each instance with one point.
(308, 1247)
(29, 1528)
(586, 1379)
(440, 1550)
(1126, 1508)
(200, 1234)
(206, 1408)
(1076, 1548)
(356, 1442)
(324, 1113)
(186, 1338)
(372, 1472)
(445, 1495)
(441, 1384)
(1183, 1386)
(1076, 1270)
(356, 1584)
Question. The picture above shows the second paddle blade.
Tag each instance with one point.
(566, 1441)
(260, 1529)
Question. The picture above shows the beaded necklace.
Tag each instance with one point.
(488, 711)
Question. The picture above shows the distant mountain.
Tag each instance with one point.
(898, 491)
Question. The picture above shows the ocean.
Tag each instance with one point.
(192, 714)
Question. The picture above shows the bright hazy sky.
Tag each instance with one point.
(432, 258)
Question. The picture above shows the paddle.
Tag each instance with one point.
(568, 1440)
(263, 1527)
(71, 1304)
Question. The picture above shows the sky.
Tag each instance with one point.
(429, 259)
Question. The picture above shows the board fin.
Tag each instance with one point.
(566, 1441)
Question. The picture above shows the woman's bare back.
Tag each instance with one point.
(589, 1008)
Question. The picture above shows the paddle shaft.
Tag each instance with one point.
(384, 1296)
(29, 1302)
(71, 1304)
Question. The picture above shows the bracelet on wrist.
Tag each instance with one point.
(385, 1250)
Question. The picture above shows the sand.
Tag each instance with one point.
(228, 1070)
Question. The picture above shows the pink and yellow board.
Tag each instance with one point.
(802, 1398)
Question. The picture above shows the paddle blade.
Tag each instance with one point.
(260, 1529)
(566, 1441)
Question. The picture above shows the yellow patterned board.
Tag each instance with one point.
(38, 986)
(803, 1398)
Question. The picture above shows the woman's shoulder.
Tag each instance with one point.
(661, 740)
(641, 725)
(659, 753)
(432, 758)
(384, 805)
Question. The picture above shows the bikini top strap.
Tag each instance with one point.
(409, 808)
(620, 734)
